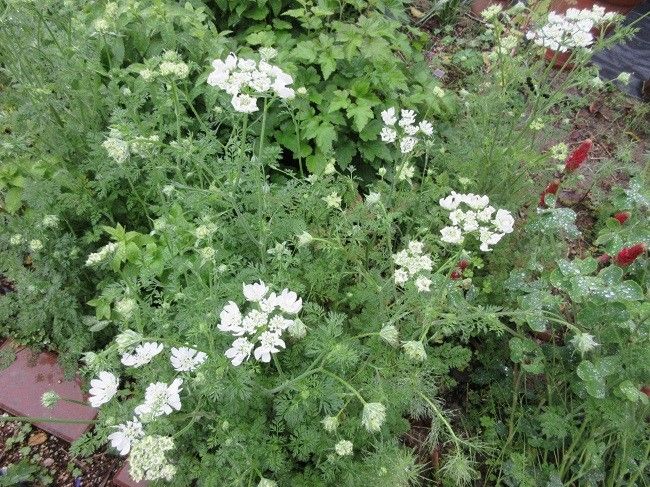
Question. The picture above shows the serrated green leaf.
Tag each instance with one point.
(361, 112)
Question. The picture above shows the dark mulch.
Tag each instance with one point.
(52, 455)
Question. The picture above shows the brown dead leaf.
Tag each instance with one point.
(418, 14)
(37, 439)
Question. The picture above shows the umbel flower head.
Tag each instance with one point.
(472, 214)
(412, 263)
(147, 460)
(403, 130)
(260, 330)
(160, 399)
(373, 416)
(246, 80)
(343, 448)
(570, 30)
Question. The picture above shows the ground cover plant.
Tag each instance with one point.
(280, 248)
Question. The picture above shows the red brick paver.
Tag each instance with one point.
(123, 479)
(23, 383)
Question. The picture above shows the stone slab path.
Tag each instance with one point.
(25, 380)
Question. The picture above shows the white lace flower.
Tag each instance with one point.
(388, 134)
(407, 118)
(186, 359)
(422, 284)
(400, 276)
(142, 355)
(289, 302)
(103, 389)
(125, 435)
(239, 351)
(389, 117)
(584, 342)
(161, 399)
(407, 144)
(504, 221)
(426, 128)
(452, 235)
(256, 291)
(451, 202)
(231, 318)
(270, 343)
(333, 200)
(330, 423)
(244, 103)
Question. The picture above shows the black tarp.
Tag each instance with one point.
(632, 56)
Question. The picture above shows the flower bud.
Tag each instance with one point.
(415, 350)
(330, 423)
(390, 335)
(584, 342)
(373, 416)
(50, 399)
(629, 254)
(127, 339)
(343, 448)
(297, 329)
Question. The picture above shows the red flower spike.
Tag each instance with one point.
(455, 275)
(622, 216)
(463, 264)
(629, 254)
(578, 156)
(604, 259)
(646, 390)
(552, 188)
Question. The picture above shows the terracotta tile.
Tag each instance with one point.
(23, 383)
(123, 479)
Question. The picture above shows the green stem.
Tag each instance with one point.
(345, 383)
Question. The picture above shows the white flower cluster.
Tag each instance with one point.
(262, 325)
(102, 254)
(116, 147)
(412, 263)
(172, 65)
(404, 130)
(119, 149)
(570, 30)
(148, 461)
(246, 79)
(147, 452)
(476, 218)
